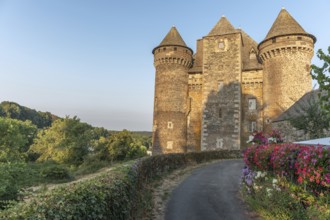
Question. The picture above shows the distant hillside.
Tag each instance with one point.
(143, 133)
(16, 111)
(138, 133)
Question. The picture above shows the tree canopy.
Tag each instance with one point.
(67, 141)
(16, 111)
(15, 138)
(309, 118)
(322, 76)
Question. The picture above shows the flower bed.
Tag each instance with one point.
(308, 165)
(294, 180)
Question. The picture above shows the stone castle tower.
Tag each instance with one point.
(231, 86)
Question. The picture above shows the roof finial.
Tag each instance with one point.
(283, 7)
(173, 25)
(223, 16)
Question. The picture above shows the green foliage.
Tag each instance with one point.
(119, 194)
(12, 177)
(321, 75)
(283, 206)
(67, 141)
(16, 137)
(119, 145)
(309, 119)
(55, 172)
(91, 164)
(16, 111)
(286, 199)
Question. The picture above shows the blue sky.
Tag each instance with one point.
(92, 58)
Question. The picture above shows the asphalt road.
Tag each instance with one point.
(210, 193)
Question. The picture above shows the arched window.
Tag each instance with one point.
(253, 54)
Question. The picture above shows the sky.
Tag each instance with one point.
(93, 59)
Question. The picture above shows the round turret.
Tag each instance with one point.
(172, 59)
(286, 55)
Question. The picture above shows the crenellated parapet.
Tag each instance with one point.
(173, 55)
(287, 45)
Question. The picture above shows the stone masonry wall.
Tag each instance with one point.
(252, 116)
(194, 120)
(286, 64)
(288, 132)
(221, 92)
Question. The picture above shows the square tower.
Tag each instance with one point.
(221, 96)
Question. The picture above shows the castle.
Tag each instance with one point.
(231, 86)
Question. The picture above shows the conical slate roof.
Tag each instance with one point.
(222, 27)
(285, 24)
(173, 38)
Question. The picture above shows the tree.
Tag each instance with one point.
(120, 145)
(123, 145)
(67, 141)
(312, 119)
(15, 139)
(322, 76)
(16, 111)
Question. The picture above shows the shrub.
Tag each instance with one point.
(55, 172)
(12, 177)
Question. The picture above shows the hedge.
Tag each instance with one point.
(118, 194)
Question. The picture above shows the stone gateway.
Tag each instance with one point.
(214, 98)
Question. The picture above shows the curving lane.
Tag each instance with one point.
(210, 193)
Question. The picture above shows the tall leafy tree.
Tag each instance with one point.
(67, 141)
(322, 76)
(15, 138)
(312, 119)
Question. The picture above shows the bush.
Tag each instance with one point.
(55, 172)
(91, 164)
(12, 177)
(119, 194)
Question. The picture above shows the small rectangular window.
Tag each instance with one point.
(299, 38)
(252, 104)
(169, 145)
(274, 40)
(170, 125)
(220, 85)
(253, 126)
(220, 113)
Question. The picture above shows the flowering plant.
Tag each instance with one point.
(262, 157)
(306, 165)
(283, 158)
(275, 137)
(259, 138)
(313, 166)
